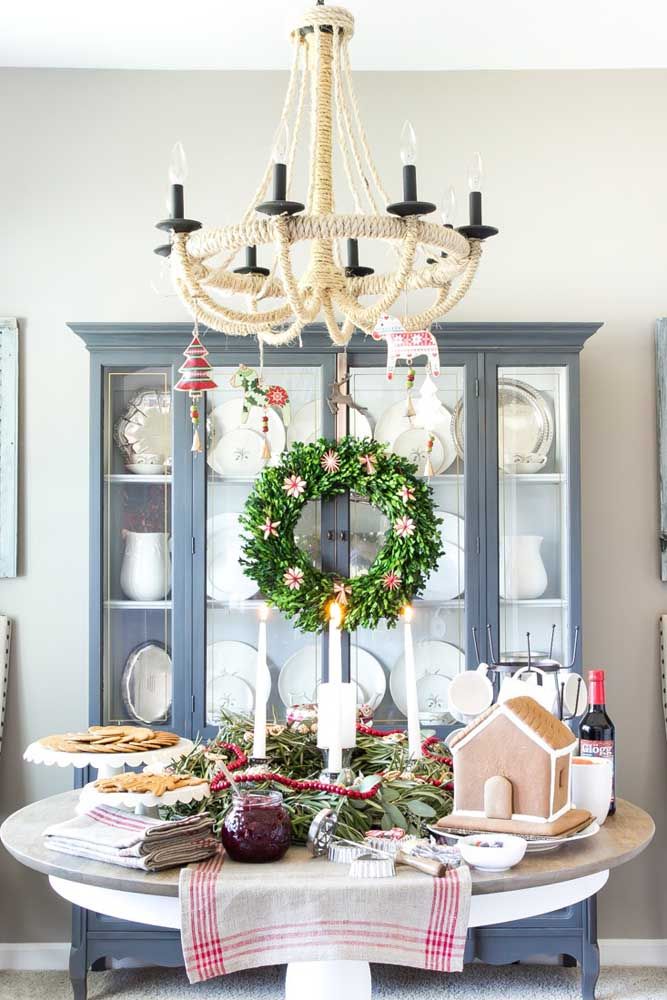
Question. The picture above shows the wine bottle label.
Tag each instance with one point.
(601, 749)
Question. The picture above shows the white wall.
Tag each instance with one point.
(576, 168)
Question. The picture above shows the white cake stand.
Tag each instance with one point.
(106, 764)
(143, 803)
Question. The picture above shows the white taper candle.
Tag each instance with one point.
(414, 731)
(261, 693)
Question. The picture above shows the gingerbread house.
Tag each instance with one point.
(512, 772)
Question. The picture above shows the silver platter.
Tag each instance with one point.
(145, 427)
(147, 683)
(538, 420)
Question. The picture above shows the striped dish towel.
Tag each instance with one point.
(236, 916)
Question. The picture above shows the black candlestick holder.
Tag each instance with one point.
(476, 230)
(279, 204)
(354, 269)
(410, 204)
(250, 266)
(174, 226)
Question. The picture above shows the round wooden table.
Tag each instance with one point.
(540, 884)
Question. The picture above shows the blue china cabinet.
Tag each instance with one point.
(173, 620)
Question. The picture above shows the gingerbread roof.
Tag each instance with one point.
(546, 726)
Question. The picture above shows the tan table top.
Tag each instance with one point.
(621, 838)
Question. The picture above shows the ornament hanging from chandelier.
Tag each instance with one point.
(275, 303)
(195, 380)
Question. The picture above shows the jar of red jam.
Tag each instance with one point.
(257, 827)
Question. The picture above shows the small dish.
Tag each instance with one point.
(146, 469)
(492, 852)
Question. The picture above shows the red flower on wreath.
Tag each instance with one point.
(330, 461)
(270, 528)
(406, 493)
(404, 527)
(294, 486)
(293, 578)
(392, 580)
(276, 396)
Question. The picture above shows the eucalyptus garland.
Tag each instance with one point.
(284, 573)
(385, 793)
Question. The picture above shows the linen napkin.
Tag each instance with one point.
(123, 838)
(241, 916)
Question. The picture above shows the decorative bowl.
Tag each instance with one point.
(146, 469)
(525, 464)
(492, 852)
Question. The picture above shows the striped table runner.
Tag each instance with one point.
(236, 916)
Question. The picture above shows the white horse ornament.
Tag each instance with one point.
(406, 344)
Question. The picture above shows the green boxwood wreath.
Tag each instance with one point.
(284, 573)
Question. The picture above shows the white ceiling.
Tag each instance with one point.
(405, 35)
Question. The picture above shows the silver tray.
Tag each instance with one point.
(147, 683)
(510, 391)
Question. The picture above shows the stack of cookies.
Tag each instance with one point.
(111, 739)
(156, 784)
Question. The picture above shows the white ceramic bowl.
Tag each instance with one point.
(505, 851)
(147, 469)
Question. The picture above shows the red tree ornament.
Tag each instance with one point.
(196, 380)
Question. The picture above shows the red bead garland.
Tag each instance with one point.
(429, 742)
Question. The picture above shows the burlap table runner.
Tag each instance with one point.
(241, 916)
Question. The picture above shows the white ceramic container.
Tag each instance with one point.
(145, 573)
(505, 851)
(591, 785)
(523, 576)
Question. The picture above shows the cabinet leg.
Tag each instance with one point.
(590, 964)
(78, 973)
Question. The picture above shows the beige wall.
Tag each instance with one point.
(576, 167)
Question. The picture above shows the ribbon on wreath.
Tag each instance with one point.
(341, 592)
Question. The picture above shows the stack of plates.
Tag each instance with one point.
(407, 436)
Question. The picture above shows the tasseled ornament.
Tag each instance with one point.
(266, 448)
(195, 379)
(409, 385)
(428, 467)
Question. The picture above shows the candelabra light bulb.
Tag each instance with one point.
(408, 144)
(280, 144)
(448, 207)
(476, 173)
(178, 165)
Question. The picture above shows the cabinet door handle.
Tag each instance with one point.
(343, 536)
(330, 536)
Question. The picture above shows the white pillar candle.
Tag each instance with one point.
(261, 694)
(414, 731)
(335, 647)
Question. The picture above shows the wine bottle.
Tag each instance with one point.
(597, 734)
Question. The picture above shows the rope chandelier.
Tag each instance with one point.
(275, 303)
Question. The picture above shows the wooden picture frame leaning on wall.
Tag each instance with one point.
(661, 396)
(9, 420)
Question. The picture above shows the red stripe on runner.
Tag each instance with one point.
(119, 823)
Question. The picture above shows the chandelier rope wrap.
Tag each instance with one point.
(321, 79)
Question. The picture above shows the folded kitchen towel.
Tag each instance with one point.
(123, 838)
(236, 916)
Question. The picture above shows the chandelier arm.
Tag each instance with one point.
(398, 282)
(431, 276)
(212, 319)
(352, 97)
(340, 337)
(422, 320)
(463, 286)
(256, 285)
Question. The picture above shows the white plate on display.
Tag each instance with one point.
(227, 417)
(238, 454)
(447, 580)
(393, 423)
(433, 695)
(225, 579)
(305, 424)
(412, 444)
(236, 659)
(432, 656)
(452, 529)
(360, 425)
(228, 693)
(301, 676)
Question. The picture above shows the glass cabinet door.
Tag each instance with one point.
(534, 530)
(439, 625)
(136, 574)
(235, 457)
